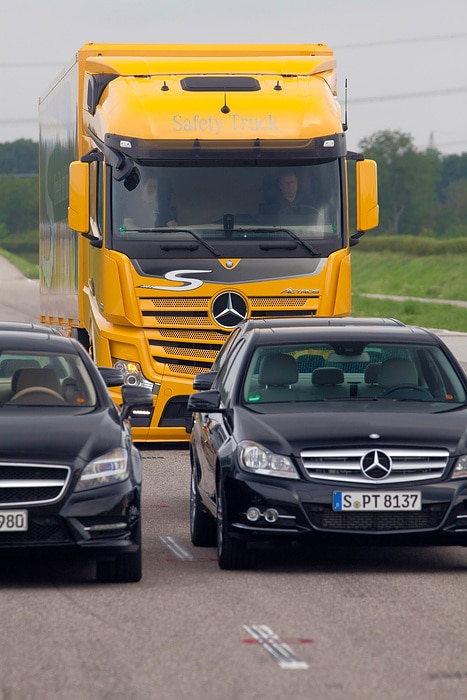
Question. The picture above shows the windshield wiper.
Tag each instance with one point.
(178, 230)
(293, 235)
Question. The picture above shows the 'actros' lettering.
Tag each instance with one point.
(176, 276)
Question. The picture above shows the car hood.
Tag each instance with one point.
(57, 436)
(291, 432)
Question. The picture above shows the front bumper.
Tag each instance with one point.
(305, 510)
(95, 523)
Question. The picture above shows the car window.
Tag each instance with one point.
(45, 379)
(229, 372)
(222, 354)
(320, 371)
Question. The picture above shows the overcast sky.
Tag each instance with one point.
(405, 60)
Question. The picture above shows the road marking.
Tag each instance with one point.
(177, 549)
(277, 648)
(181, 553)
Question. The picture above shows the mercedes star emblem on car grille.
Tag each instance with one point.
(376, 464)
(228, 309)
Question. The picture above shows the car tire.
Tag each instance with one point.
(125, 568)
(202, 525)
(231, 553)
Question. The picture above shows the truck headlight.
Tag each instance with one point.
(460, 468)
(255, 458)
(107, 469)
(133, 375)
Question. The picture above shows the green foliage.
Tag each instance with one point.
(411, 246)
(415, 313)
(19, 204)
(19, 157)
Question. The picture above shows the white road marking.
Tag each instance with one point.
(279, 650)
(177, 549)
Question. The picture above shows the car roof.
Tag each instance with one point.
(41, 342)
(313, 321)
(26, 326)
(333, 333)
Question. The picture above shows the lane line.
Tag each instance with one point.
(278, 649)
(177, 549)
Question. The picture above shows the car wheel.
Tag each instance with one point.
(231, 553)
(125, 568)
(202, 525)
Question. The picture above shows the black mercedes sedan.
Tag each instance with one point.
(70, 476)
(346, 433)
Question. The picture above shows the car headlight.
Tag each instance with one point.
(259, 460)
(107, 469)
(460, 468)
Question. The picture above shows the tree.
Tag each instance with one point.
(19, 157)
(406, 181)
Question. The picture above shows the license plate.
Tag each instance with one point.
(13, 520)
(380, 500)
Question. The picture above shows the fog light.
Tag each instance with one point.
(271, 515)
(253, 514)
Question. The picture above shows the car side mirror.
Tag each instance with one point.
(111, 376)
(137, 402)
(203, 381)
(205, 402)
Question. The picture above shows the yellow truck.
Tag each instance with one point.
(184, 188)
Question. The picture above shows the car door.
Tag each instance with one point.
(215, 428)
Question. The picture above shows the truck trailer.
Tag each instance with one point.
(185, 188)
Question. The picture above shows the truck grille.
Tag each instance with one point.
(29, 484)
(182, 335)
(345, 465)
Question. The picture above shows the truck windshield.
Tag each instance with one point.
(217, 204)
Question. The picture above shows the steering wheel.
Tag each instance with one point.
(299, 209)
(26, 396)
(425, 394)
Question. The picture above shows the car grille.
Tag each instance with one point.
(30, 484)
(344, 465)
(323, 517)
(183, 337)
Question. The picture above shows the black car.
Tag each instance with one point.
(350, 433)
(70, 476)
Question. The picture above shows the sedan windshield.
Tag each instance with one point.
(377, 372)
(37, 379)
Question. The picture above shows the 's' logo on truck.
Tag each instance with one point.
(177, 276)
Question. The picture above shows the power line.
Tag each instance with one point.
(388, 42)
(408, 95)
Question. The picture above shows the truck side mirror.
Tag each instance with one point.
(78, 203)
(367, 195)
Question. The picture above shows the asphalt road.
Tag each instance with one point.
(353, 623)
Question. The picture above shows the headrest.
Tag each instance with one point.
(327, 375)
(372, 372)
(30, 376)
(396, 371)
(278, 370)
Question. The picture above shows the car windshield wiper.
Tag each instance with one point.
(178, 230)
(273, 229)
